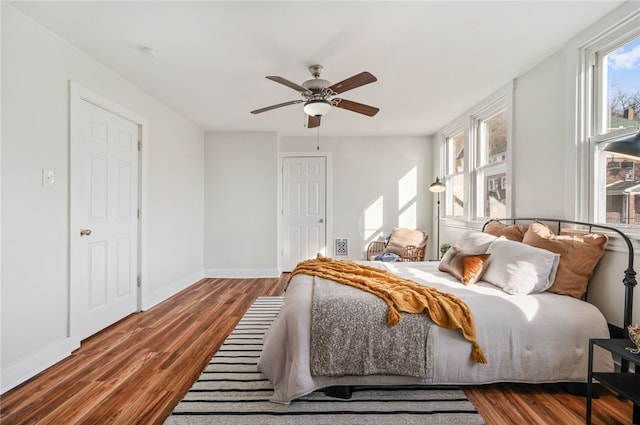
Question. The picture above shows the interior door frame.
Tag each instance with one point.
(77, 95)
(328, 194)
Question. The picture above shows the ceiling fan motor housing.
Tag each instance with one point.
(317, 104)
(316, 85)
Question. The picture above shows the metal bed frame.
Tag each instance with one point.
(629, 279)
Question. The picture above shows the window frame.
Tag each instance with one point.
(592, 116)
(448, 169)
(480, 165)
(500, 100)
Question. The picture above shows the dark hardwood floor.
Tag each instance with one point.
(137, 370)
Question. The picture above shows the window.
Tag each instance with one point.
(454, 174)
(491, 131)
(474, 157)
(611, 104)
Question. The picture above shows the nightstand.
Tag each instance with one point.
(625, 384)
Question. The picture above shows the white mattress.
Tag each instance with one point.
(526, 338)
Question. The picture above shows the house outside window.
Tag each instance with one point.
(611, 101)
(491, 141)
(454, 174)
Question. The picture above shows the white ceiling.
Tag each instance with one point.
(433, 59)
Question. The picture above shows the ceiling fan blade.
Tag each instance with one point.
(355, 107)
(279, 105)
(288, 83)
(313, 121)
(353, 82)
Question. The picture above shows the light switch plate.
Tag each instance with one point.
(48, 178)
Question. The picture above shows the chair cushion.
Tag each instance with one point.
(401, 238)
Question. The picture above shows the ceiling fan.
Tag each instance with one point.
(318, 95)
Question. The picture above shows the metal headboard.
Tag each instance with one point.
(629, 274)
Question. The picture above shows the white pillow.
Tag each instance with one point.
(520, 269)
(475, 242)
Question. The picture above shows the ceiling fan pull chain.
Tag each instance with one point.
(318, 139)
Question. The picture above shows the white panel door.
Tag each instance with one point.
(104, 221)
(303, 209)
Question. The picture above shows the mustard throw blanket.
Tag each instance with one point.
(399, 294)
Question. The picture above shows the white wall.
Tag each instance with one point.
(36, 69)
(538, 140)
(241, 197)
(378, 183)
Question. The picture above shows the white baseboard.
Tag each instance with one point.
(150, 299)
(15, 374)
(241, 273)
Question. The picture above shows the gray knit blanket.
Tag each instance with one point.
(350, 335)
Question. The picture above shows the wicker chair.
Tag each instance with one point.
(410, 252)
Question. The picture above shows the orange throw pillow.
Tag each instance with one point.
(464, 266)
(579, 255)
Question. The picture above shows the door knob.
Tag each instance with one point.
(85, 232)
(321, 220)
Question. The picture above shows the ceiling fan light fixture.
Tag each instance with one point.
(317, 107)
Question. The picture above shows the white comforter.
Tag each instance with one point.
(526, 338)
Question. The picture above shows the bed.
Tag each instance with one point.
(536, 337)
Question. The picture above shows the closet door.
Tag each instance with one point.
(304, 182)
(104, 219)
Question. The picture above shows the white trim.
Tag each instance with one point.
(2, 373)
(329, 201)
(15, 374)
(77, 94)
(152, 299)
(241, 273)
(143, 224)
(579, 150)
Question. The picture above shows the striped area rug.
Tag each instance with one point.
(230, 391)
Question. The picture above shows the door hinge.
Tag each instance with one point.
(139, 145)
(138, 212)
(139, 281)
